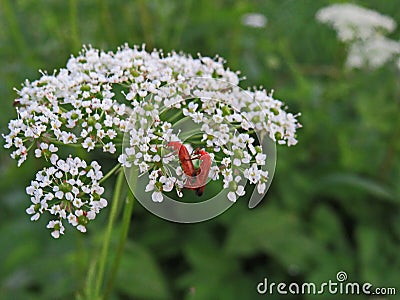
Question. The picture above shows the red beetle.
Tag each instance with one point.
(203, 170)
(201, 174)
(184, 157)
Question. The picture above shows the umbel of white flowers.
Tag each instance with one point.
(364, 31)
(79, 106)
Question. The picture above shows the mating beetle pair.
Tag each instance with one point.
(197, 177)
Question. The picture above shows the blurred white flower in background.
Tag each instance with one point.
(373, 52)
(354, 22)
(363, 30)
(255, 20)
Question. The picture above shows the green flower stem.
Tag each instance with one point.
(107, 238)
(64, 144)
(390, 154)
(126, 220)
(146, 21)
(175, 117)
(13, 28)
(105, 21)
(112, 171)
(73, 22)
(181, 23)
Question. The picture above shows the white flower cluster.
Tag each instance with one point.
(364, 30)
(214, 106)
(353, 22)
(100, 96)
(68, 190)
(372, 53)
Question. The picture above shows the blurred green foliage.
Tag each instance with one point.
(334, 202)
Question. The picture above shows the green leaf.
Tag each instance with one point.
(378, 256)
(275, 231)
(139, 275)
(210, 271)
(355, 181)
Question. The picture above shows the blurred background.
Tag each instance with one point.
(334, 203)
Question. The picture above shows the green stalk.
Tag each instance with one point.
(73, 24)
(13, 28)
(146, 23)
(390, 154)
(107, 237)
(126, 220)
(175, 117)
(112, 171)
(180, 24)
(105, 21)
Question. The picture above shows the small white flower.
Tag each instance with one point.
(109, 147)
(123, 160)
(157, 196)
(81, 228)
(36, 209)
(191, 109)
(88, 144)
(168, 184)
(237, 162)
(153, 175)
(77, 203)
(253, 174)
(226, 161)
(57, 227)
(214, 172)
(232, 196)
(261, 186)
(260, 159)
(72, 219)
(143, 167)
(218, 118)
(150, 186)
(254, 20)
(197, 117)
